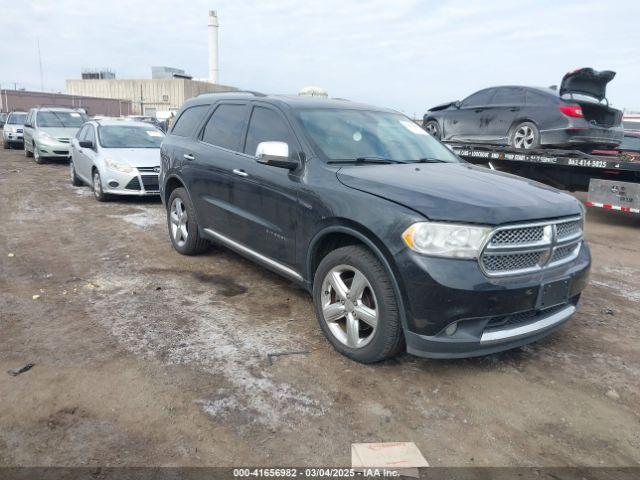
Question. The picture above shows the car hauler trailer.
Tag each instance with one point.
(612, 181)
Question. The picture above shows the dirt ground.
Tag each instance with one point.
(146, 357)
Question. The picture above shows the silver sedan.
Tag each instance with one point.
(116, 157)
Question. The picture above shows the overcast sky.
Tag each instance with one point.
(403, 54)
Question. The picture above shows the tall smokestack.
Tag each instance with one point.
(213, 46)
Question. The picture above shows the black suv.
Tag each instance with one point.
(401, 243)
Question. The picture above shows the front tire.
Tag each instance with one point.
(27, 153)
(5, 145)
(356, 305)
(525, 136)
(36, 155)
(433, 129)
(98, 193)
(183, 228)
(75, 180)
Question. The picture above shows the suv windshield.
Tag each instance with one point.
(16, 118)
(60, 119)
(347, 135)
(129, 136)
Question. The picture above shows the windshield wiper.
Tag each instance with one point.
(428, 160)
(378, 160)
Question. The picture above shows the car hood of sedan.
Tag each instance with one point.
(136, 157)
(461, 192)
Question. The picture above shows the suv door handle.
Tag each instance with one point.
(238, 171)
(188, 156)
(515, 109)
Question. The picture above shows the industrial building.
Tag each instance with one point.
(21, 100)
(147, 96)
(167, 89)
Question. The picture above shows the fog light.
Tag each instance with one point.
(114, 184)
(451, 329)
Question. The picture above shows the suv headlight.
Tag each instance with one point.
(446, 239)
(118, 166)
(45, 137)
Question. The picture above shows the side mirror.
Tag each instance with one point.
(27, 125)
(275, 154)
(85, 144)
(457, 104)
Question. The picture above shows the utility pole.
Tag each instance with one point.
(40, 62)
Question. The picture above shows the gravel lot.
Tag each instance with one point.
(146, 357)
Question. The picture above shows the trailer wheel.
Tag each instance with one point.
(525, 135)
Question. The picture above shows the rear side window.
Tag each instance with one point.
(508, 96)
(540, 99)
(189, 120)
(479, 99)
(224, 128)
(266, 126)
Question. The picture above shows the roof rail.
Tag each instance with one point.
(252, 92)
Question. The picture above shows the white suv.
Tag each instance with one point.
(13, 129)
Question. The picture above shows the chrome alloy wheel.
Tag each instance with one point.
(179, 220)
(349, 306)
(523, 137)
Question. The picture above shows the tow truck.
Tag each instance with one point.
(611, 180)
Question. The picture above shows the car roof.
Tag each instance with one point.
(57, 109)
(289, 101)
(17, 111)
(121, 122)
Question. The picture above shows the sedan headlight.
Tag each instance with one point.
(118, 166)
(446, 239)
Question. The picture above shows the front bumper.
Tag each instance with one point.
(490, 314)
(137, 183)
(12, 137)
(53, 149)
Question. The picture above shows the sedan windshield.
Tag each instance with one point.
(129, 136)
(58, 119)
(17, 118)
(352, 135)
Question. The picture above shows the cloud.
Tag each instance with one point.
(406, 54)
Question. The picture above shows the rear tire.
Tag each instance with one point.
(525, 136)
(183, 228)
(361, 321)
(433, 128)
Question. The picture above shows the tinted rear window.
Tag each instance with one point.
(478, 99)
(189, 120)
(224, 128)
(536, 98)
(508, 96)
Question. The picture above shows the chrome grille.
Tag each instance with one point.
(63, 140)
(518, 235)
(521, 249)
(570, 229)
(510, 262)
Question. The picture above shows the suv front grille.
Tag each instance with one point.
(521, 249)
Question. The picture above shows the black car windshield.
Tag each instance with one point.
(347, 135)
(60, 119)
(16, 118)
(129, 136)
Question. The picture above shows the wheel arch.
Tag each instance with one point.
(350, 233)
(170, 185)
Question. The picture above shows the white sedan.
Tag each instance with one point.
(116, 157)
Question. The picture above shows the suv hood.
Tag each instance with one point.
(461, 192)
(60, 132)
(587, 81)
